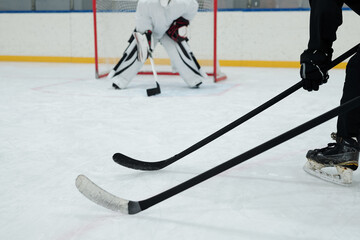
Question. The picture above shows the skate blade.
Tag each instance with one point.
(343, 177)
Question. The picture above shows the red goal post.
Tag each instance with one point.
(114, 21)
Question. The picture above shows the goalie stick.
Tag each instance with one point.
(150, 166)
(144, 44)
(112, 202)
(153, 91)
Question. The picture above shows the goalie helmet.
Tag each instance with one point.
(164, 3)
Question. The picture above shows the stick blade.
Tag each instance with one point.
(153, 91)
(132, 163)
(101, 197)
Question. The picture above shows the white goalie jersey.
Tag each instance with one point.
(150, 15)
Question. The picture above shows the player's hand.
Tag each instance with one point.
(178, 31)
(313, 69)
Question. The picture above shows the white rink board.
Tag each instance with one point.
(273, 36)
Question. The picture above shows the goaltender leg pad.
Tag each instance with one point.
(128, 66)
(183, 61)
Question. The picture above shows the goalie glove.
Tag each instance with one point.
(144, 44)
(178, 30)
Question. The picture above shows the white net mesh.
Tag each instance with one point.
(130, 5)
(116, 5)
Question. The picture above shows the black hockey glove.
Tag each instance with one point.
(313, 69)
(173, 31)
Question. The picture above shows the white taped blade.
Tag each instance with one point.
(100, 196)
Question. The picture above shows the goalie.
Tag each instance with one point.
(165, 22)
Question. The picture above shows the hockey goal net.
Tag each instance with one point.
(114, 22)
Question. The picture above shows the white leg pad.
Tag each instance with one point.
(127, 67)
(182, 59)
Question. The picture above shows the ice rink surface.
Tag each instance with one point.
(57, 121)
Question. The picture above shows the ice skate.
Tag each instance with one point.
(343, 156)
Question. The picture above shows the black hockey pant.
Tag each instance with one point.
(348, 124)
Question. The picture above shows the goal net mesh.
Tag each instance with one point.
(114, 22)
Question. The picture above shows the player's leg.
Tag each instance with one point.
(184, 61)
(127, 68)
(344, 153)
(348, 124)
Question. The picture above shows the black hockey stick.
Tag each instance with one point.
(107, 200)
(142, 165)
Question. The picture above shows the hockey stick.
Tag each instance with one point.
(107, 200)
(142, 165)
(156, 90)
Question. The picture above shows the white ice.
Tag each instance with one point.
(57, 121)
